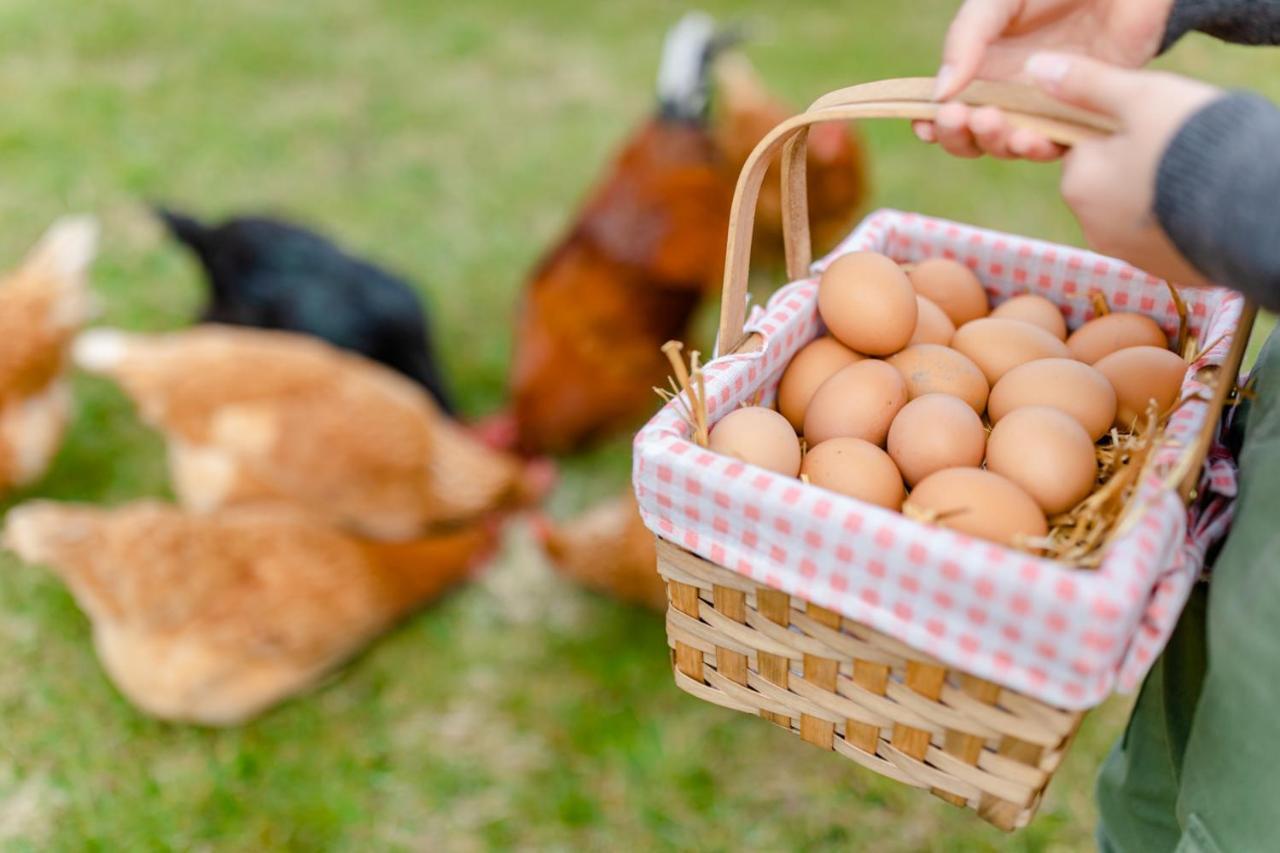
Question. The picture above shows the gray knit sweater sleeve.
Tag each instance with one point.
(1239, 21)
(1218, 194)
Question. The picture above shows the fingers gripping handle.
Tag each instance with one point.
(906, 98)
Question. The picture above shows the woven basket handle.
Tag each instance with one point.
(909, 98)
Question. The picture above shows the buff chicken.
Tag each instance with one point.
(251, 415)
(43, 304)
(608, 549)
(214, 618)
(648, 244)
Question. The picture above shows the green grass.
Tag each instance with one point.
(448, 140)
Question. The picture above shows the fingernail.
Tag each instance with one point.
(1048, 69)
(924, 132)
(942, 82)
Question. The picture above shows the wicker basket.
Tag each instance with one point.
(839, 684)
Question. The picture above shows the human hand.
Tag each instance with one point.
(1110, 182)
(993, 39)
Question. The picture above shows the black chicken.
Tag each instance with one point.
(276, 275)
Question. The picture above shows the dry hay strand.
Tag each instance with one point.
(930, 516)
(1182, 343)
(1100, 306)
(688, 391)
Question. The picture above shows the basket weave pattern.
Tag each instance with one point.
(845, 687)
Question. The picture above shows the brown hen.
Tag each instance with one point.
(214, 618)
(629, 271)
(252, 415)
(649, 242)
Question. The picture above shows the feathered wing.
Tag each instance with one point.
(213, 618)
(277, 415)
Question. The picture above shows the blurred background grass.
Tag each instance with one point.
(449, 141)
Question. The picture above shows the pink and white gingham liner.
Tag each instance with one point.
(1065, 636)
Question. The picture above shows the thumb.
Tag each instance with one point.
(1085, 82)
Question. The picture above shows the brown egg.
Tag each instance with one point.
(811, 366)
(952, 287)
(1030, 308)
(1063, 383)
(932, 325)
(998, 345)
(933, 432)
(859, 401)
(1139, 375)
(933, 369)
(867, 303)
(978, 503)
(1104, 335)
(758, 436)
(855, 468)
(1047, 453)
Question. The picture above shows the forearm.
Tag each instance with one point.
(1239, 21)
(1218, 194)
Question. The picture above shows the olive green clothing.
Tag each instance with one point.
(1198, 768)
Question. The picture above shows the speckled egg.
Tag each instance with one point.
(934, 369)
(855, 468)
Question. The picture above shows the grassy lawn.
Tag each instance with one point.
(448, 140)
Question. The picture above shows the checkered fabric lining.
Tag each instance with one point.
(1065, 636)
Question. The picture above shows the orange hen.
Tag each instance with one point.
(252, 415)
(214, 618)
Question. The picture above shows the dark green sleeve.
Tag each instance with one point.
(1218, 194)
(1239, 21)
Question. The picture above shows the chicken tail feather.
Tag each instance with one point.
(67, 248)
(183, 227)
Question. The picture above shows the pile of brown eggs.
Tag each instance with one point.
(923, 399)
